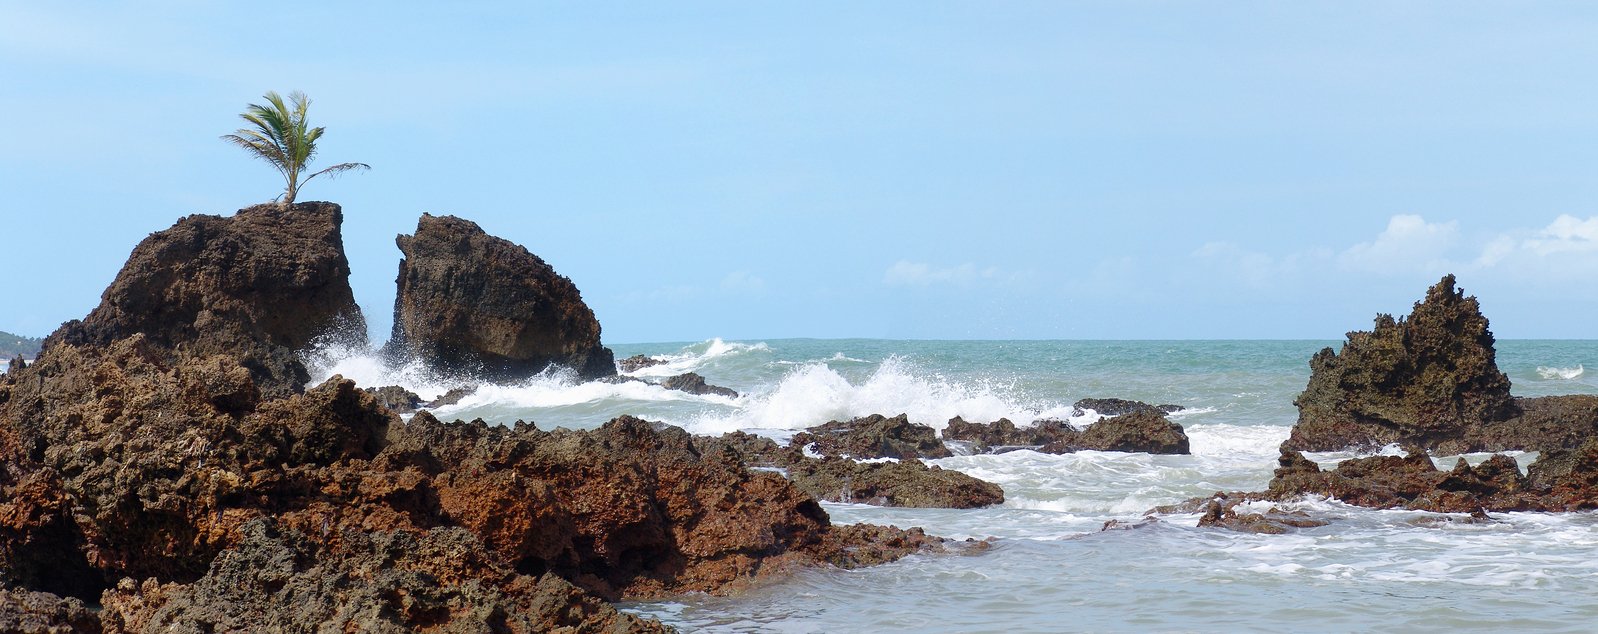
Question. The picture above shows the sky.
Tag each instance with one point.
(986, 170)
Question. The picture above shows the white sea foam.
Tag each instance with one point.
(814, 393)
(367, 368)
(1564, 374)
(694, 357)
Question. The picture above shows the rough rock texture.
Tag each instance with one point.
(1429, 379)
(257, 287)
(27, 612)
(1119, 406)
(471, 302)
(837, 479)
(1222, 513)
(1544, 423)
(1144, 430)
(1562, 480)
(277, 580)
(907, 483)
(142, 449)
(397, 399)
(874, 436)
(638, 362)
(694, 384)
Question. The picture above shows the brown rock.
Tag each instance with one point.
(471, 302)
(695, 384)
(1118, 406)
(1222, 513)
(1428, 379)
(257, 287)
(27, 612)
(1002, 434)
(874, 436)
(638, 362)
(1146, 431)
(904, 483)
(397, 399)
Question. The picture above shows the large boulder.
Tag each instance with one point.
(257, 286)
(471, 302)
(1429, 379)
(1141, 430)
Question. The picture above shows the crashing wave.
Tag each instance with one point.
(1564, 374)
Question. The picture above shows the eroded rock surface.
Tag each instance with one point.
(874, 436)
(1119, 406)
(1431, 379)
(1144, 430)
(471, 302)
(694, 384)
(638, 362)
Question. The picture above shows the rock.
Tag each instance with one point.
(1544, 423)
(1119, 406)
(278, 580)
(17, 365)
(1146, 431)
(638, 362)
(27, 612)
(471, 302)
(452, 397)
(861, 545)
(695, 384)
(258, 287)
(907, 483)
(996, 436)
(397, 399)
(1222, 513)
(1429, 379)
(874, 436)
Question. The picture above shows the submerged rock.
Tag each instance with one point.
(1119, 406)
(694, 384)
(638, 362)
(471, 302)
(1429, 379)
(1222, 513)
(874, 436)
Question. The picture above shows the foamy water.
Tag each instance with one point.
(1050, 568)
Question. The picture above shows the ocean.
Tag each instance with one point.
(1051, 568)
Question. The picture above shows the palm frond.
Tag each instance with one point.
(279, 134)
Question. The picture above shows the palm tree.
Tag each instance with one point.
(280, 136)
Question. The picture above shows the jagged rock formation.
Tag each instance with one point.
(257, 286)
(168, 468)
(1144, 430)
(471, 302)
(834, 478)
(694, 384)
(638, 362)
(874, 436)
(1428, 379)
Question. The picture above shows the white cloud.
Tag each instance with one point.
(907, 273)
(1409, 243)
(1567, 246)
(743, 282)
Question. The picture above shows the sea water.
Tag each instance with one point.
(1051, 568)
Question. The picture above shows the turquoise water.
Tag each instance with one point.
(1051, 569)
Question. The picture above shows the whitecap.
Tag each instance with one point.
(1562, 374)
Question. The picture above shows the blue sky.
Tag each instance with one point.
(891, 169)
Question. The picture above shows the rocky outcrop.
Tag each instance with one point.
(27, 612)
(397, 399)
(1561, 480)
(907, 482)
(694, 384)
(874, 436)
(638, 362)
(142, 449)
(256, 287)
(1145, 430)
(471, 302)
(1429, 379)
(1119, 406)
(1222, 512)
(904, 483)
(278, 580)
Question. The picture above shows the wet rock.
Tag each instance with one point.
(27, 612)
(1124, 525)
(278, 580)
(1429, 379)
(907, 483)
(694, 384)
(256, 287)
(862, 545)
(452, 397)
(471, 302)
(638, 362)
(1544, 423)
(397, 399)
(17, 365)
(1222, 513)
(996, 436)
(1145, 431)
(874, 436)
(1119, 406)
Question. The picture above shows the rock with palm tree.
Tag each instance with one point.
(280, 135)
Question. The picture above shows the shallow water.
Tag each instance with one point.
(1051, 569)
